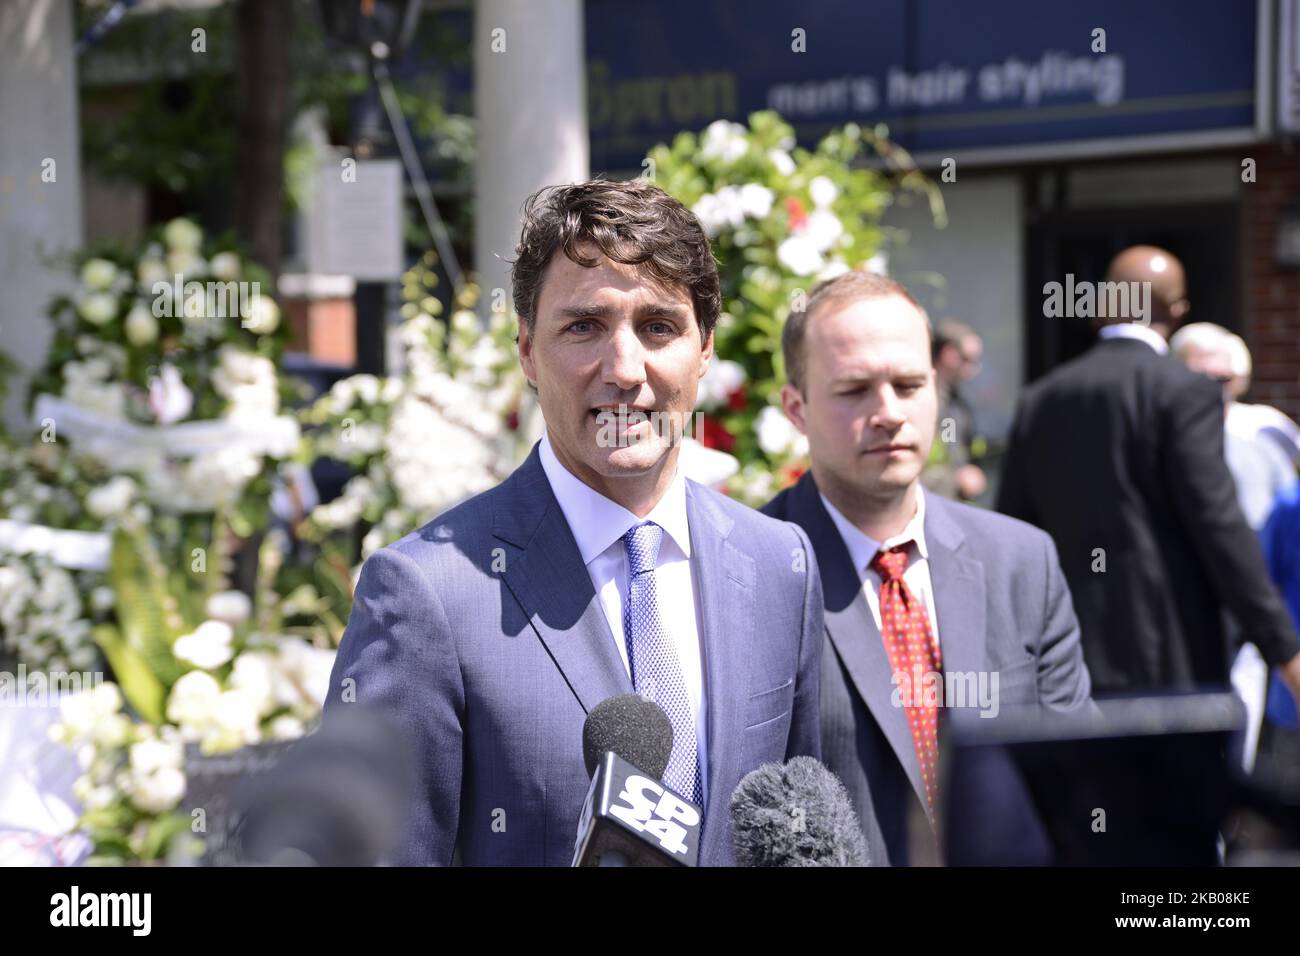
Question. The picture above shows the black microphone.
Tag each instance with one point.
(795, 814)
(337, 798)
(629, 817)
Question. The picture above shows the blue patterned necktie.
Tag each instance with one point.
(656, 670)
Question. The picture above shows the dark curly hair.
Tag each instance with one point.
(631, 222)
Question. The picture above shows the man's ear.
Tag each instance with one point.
(525, 341)
(706, 354)
(792, 405)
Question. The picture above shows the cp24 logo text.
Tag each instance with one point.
(650, 809)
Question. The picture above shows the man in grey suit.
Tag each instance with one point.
(596, 569)
(930, 604)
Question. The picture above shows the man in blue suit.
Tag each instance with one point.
(596, 569)
(930, 604)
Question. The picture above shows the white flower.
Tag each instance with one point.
(777, 436)
(141, 326)
(822, 229)
(755, 200)
(255, 674)
(80, 713)
(306, 667)
(150, 271)
(192, 700)
(225, 266)
(98, 274)
(799, 256)
(286, 727)
(725, 141)
(879, 264)
(234, 723)
(150, 756)
(182, 235)
(233, 607)
(169, 399)
(262, 315)
(782, 161)
(367, 388)
(101, 598)
(112, 498)
(208, 647)
(823, 192)
(721, 379)
(156, 792)
(97, 308)
(186, 264)
(833, 268)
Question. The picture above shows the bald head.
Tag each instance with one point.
(1168, 283)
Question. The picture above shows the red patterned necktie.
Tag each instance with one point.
(905, 628)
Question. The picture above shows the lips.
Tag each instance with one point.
(887, 448)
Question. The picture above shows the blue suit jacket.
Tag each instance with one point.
(1002, 606)
(481, 635)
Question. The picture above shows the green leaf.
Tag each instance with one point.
(140, 686)
(142, 597)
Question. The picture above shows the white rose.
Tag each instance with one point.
(97, 308)
(286, 727)
(225, 266)
(755, 200)
(255, 675)
(182, 235)
(111, 498)
(233, 607)
(823, 229)
(141, 326)
(262, 315)
(156, 792)
(879, 264)
(150, 756)
(192, 699)
(724, 140)
(782, 161)
(185, 264)
(151, 271)
(111, 730)
(833, 268)
(98, 274)
(799, 256)
(823, 192)
(234, 723)
(208, 647)
(776, 435)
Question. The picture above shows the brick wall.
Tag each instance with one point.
(1272, 320)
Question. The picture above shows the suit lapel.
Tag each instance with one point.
(958, 583)
(545, 573)
(724, 580)
(852, 629)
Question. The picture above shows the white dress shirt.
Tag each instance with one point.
(1131, 330)
(862, 548)
(598, 525)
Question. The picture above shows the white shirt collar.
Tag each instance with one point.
(863, 548)
(597, 522)
(1131, 330)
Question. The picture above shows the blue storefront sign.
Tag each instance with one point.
(949, 77)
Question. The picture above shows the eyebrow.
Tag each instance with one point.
(651, 311)
(856, 379)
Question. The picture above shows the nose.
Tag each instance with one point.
(888, 414)
(624, 360)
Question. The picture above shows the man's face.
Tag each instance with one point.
(610, 342)
(869, 403)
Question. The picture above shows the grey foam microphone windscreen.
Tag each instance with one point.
(795, 814)
(632, 726)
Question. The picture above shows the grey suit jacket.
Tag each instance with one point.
(1002, 606)
(482, 637)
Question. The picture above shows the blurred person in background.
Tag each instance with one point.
(956, 352)
(1118, 454)
(1261, 472)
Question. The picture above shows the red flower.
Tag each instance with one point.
(512, 420)
(791, 475)
(737, 400)
(716, 436)
(798, 215)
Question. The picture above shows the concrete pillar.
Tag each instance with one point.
(531, 113)
(38, 123)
